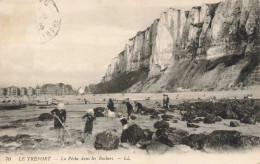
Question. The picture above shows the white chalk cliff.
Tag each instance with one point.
(209, 40)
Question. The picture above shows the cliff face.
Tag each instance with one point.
(213, 45)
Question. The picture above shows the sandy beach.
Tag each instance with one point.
(41, 137)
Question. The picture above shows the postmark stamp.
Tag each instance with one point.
(48, 20)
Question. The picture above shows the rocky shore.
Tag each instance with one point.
(219, 125)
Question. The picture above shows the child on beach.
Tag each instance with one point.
(89, 124)
(59, 114)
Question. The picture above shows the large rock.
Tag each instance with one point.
(106, 141)
(99, 112)
(164, 137)
(170, 136)
(135, 134)
(161, 124)
(45, 117)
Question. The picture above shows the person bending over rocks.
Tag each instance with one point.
(59, 115)
(138, 107)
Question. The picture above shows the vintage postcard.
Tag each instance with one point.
(129, 81)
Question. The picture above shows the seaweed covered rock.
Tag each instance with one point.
(106, 141)
(161, 124)
(163, 137)
(170, 136)
(135, 134)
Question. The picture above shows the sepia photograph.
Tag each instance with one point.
(130, 81)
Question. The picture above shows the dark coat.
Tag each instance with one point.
(110, 106)
(124, 135)
(61, 114)
(167, 100)
(129, 108)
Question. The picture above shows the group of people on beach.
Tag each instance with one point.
(60, 115)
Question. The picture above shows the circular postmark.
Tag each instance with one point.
(48, 20)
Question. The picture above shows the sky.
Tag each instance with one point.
(92, 32)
